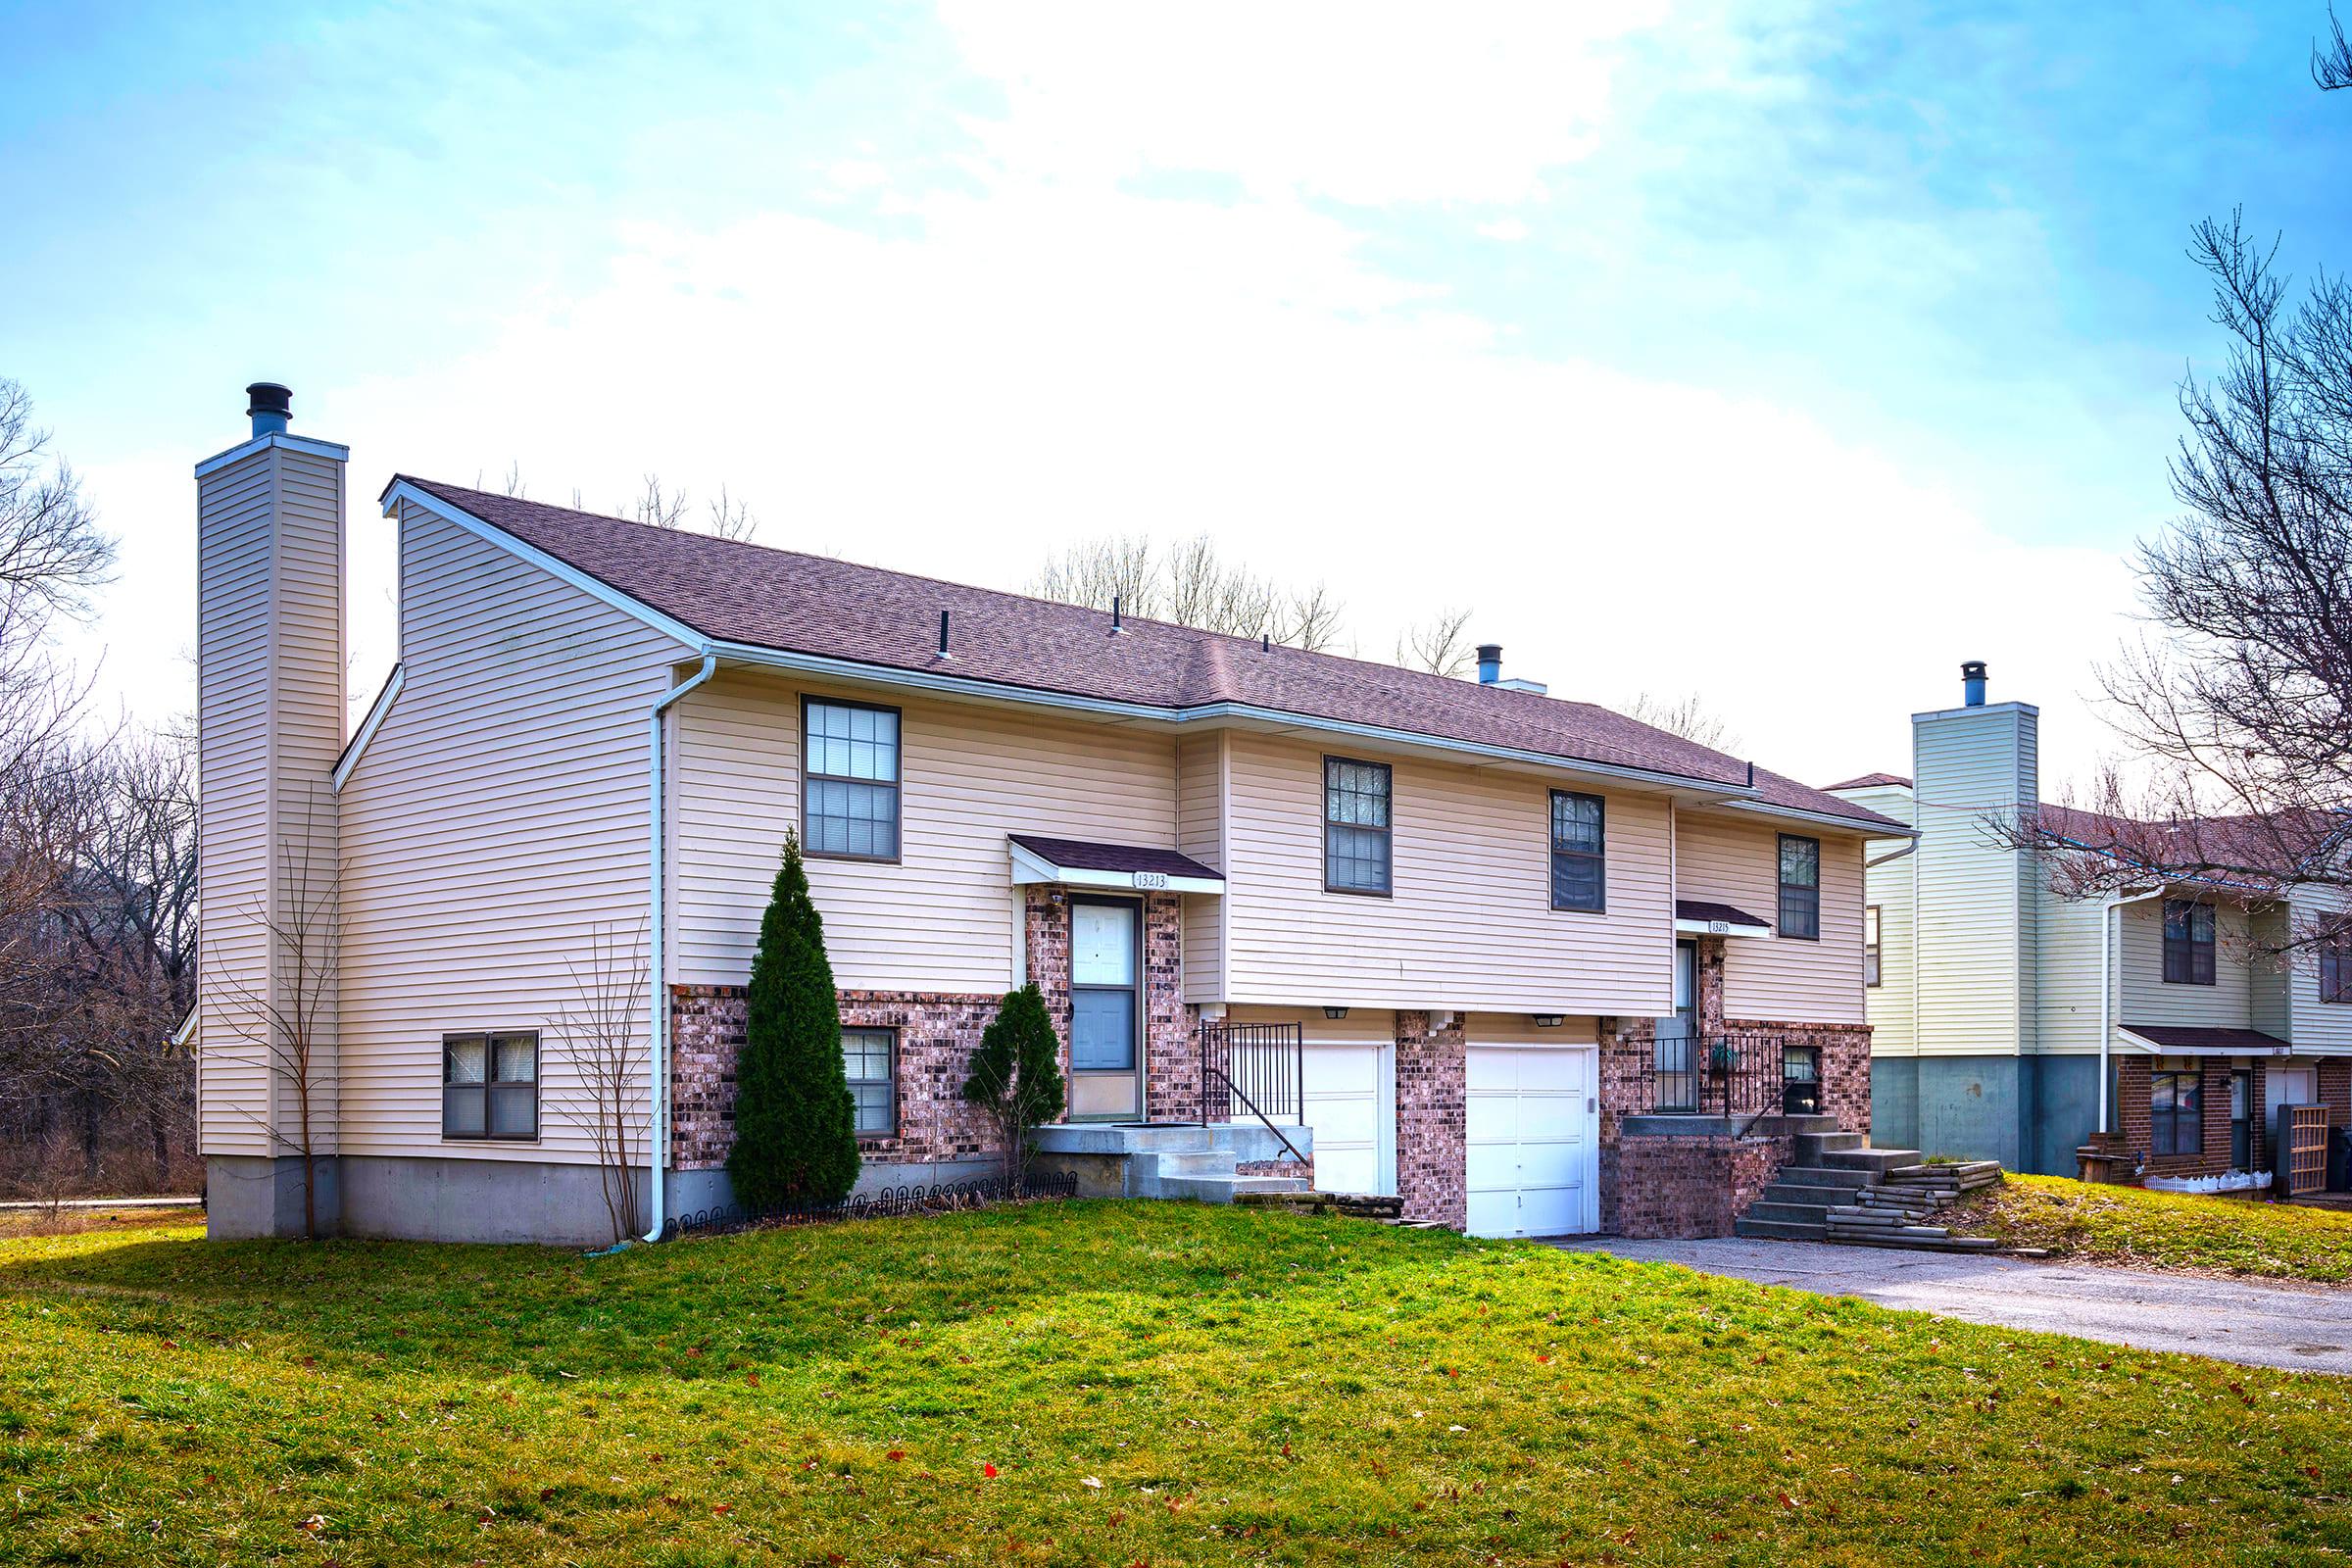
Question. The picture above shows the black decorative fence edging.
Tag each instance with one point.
(880, 1203)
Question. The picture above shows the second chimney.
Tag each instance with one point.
(1971, 683)
(1490, 663)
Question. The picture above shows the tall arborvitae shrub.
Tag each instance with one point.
(796, 1129)
(1017, 1076)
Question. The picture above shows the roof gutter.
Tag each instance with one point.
(657, 1017)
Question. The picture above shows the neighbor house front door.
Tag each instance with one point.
(1105, 1009)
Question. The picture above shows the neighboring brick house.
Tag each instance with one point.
(1526, 963)
(2011, 1023)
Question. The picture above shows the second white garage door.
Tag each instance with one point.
(1533, 1141)
(1350, 1107)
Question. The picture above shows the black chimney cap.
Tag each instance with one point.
(268, 396)
(1971, 669)
(1490, 653)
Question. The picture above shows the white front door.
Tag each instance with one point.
(1533, 1136)
(1351, 1112)
(2282, 1084)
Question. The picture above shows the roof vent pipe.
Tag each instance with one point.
(1971, 683)
(1117, 621)
(1490, 663)
(943, 636)
(271, 407)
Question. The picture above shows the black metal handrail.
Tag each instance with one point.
(1257, 1069)
(1729, 1075)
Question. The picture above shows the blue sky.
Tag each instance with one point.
(1771, 351)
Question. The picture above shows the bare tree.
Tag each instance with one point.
(661, 508)
(2331, 57)
(52, 554)
(1190, 584)
(1687, 717)
(727, 517)
(1123, 567)
(1437, 644)
(282, 1028)
(2242, 715)
(601, 1035)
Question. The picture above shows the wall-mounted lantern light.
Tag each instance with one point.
(1549, 1020)
(1335, 1012)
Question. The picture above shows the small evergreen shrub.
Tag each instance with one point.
(796, 1128)
(1017, 1076)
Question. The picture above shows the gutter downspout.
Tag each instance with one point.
(657, 1081)
(2107, 909)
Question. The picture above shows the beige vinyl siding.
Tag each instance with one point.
(1732, 860)
(497, 831)
(2066, 954)
(270, 720)
(2315, 1025)
(1887, 1005)
(936, 920)
(1201, 834)
(1470, 924)
(1975, 893)
(2226, 1004)
(232, 826)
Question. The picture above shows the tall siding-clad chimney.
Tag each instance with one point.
(270, 651)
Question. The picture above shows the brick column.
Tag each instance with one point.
(1432, 1120)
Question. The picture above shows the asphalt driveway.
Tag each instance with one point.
(2301, 1327)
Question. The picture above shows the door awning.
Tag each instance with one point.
(1695, 917)
(1074, 863)
(2181, 1040)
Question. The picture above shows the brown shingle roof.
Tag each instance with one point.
(1077, 855)
(779, 598)
(1872, 781)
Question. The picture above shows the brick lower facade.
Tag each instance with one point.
(1649, 1185)
(1432, 1116)
(937, 1033)
(2134, 1141)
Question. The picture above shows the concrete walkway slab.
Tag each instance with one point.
(2298, 1327)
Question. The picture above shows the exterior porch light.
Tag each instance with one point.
(1549, 1020)
(1335, 1012)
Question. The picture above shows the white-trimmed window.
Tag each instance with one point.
(1580, 873)
(849, 777)
(870, 1058)
(1801, 887)
(490, 1085)
(1870, 944)
(1356, 827)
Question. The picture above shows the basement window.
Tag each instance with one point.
(868, 1058)
(2187, 943)
(490, 1085)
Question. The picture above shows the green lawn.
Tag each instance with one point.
(1152, 1383)
(2125, 1225)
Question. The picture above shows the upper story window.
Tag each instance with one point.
(490, 1085)
(2335, 973)
(1355, 826)
(1578, 852)
(849, 773)
(2187, 943)
(1801, 887)
(1870, 945)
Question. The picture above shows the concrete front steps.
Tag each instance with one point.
(1840, 1188)
(1160, 1159)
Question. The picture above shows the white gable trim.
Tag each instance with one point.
(369, 726)
(1846, 824)
(490, 534)
(292, 443)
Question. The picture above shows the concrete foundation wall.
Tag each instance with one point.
(250, 1196)
(2028, 1112)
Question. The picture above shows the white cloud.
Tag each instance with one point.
(1508, 230)
(1035, 355)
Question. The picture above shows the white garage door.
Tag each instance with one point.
(1348, 1106)
(1534, 1143)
